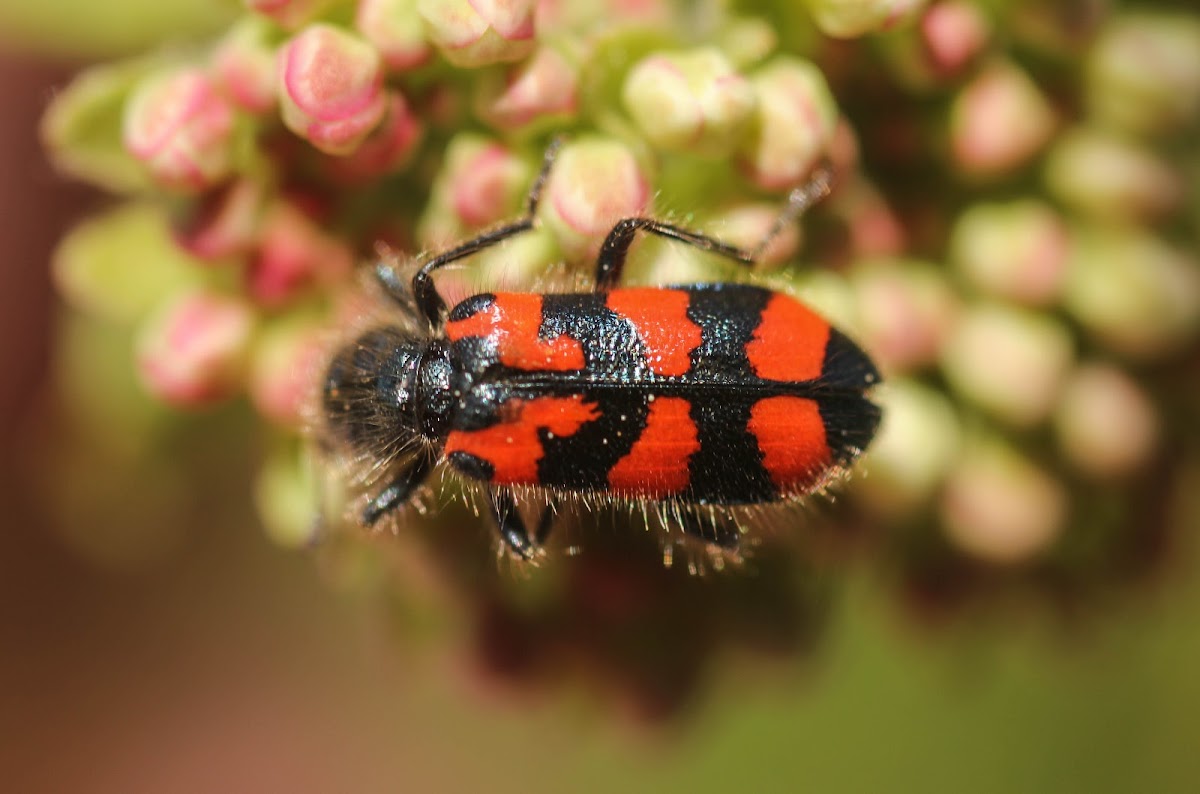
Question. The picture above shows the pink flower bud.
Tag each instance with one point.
(1107, 426)
(595, 182)
(544, 89)
(850, 18)
(689, 101)
(954, 34)
(192, 351)
(1000, 507)
(999, 121)
(294, 255)
(283, 368)
(395, 28)
(288, 13)
(1011, 362)
(796, 121)
(874, 229)
(906, 311)
(487, 185)
(1018, 251)
(471, 33)
(243, 64)
(224, 223)
(386, 150)
(181, 129)
(1113, 177)
(331, 85)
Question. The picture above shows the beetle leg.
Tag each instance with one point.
(611, 260)
(396, 492)
(429, 303)
(511, 526)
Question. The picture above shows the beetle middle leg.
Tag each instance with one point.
(611, 261)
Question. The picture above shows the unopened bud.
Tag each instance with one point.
(999, 121)
(845, 19)
(223, 223)
(471, 34)
(542, 92)
(395, 28)
(594, 183)
(289, 14)
(689, 101)
(283, 366)
(1112, 177)
(295, 254)
(1107, 426)
(1143, 72)
(192, 351)
(1000, 507)
(1011, 362)
(331, 88)
(1017, 251)
(906, 310)
(181, 128)
(954, 33)
(244, 66)
(1132, 291)
(795, 123)
(386, 150)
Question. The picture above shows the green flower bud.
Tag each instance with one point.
(1106, 424)
(689, 101)
(1017, 251)
(1011, 362)
(846, 19)
(471, 34)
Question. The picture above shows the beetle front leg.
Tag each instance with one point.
(398, 490)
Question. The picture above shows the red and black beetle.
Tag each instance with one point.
(704, 396)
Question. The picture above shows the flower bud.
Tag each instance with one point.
(1017, 250)
(999, 121)
(386, 150)
(288, 494)
(747, 224)
(396, 30)
(283, 368)
(181, 129)
(331, 87)
(1011, 362)
(796, 120)
(594, 183)
(192, 351)
(294, 255)
(224, 223)
(917, 445)
(543, 89)
(954, 33)
(481, 184)
(1112, 177)
(1106, 425)
(1132, 291)
(1143, 72)
(844, 19)
(1000, 507)
(243, 64)
(874, 229)
(289, 14)
(482, 32)
(689, 101)
(906, 310)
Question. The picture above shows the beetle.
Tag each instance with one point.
(702, 397)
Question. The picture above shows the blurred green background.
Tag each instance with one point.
(221, 662)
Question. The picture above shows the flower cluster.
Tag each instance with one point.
(1008, 236)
